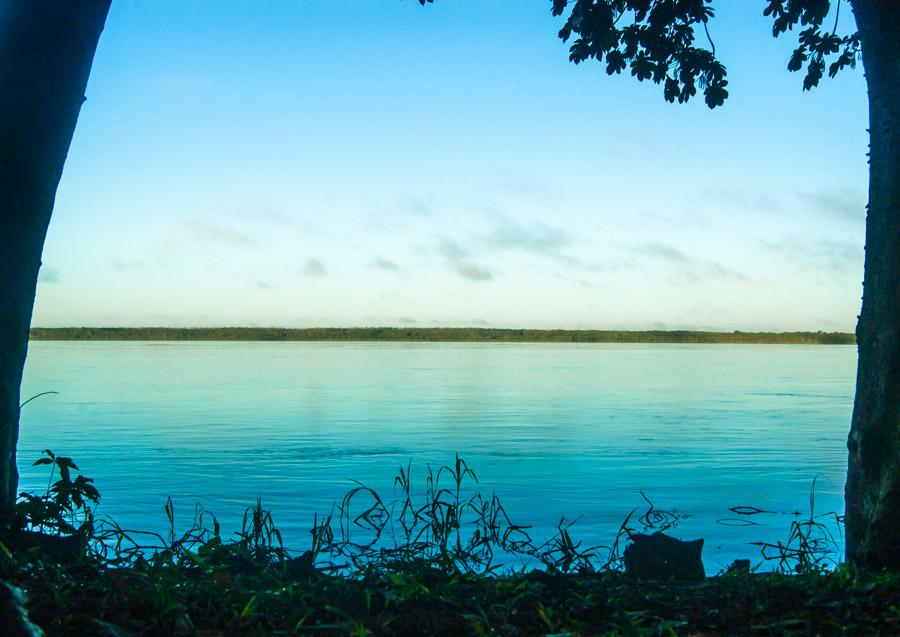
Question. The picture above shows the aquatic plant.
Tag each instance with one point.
(810, 546)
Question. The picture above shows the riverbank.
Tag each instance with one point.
(429, 563)
(220, 592)
(437, 334)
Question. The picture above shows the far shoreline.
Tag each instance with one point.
(435, 335)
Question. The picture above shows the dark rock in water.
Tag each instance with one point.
(661, 556)
(739, 566)
(13, 616)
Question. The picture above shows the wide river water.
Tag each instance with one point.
(552, 429)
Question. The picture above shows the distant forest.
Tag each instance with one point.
(438, 334)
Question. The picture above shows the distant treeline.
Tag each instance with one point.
(461, 334)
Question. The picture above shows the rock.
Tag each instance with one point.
(663, 557)
(13, 616)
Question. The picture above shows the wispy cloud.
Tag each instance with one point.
(199, 230)
(846, 204)
(48, 275)
(662, 251)
(755, 199)
(832, 257)
(505, 235)
(379, 263)
(459, 260)
(451, 249)
(123, 265)
(395, 296)
(537, 238)
(686, 269)
(415, 205)
(473, 272)
(193, 231)
(314, 267)
(264, 212)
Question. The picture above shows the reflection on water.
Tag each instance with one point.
(553, 429)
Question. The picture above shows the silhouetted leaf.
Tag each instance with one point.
(813, 74)
(659, 40)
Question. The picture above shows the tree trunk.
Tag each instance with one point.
(46, 51)
(873, 476)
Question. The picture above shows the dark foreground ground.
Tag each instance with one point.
(234, 595)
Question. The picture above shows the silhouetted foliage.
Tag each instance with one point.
(658, 41)
(66, 508)
(434, 577)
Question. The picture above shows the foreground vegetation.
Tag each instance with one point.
(224, 591)
(445, 334)
(437, 575)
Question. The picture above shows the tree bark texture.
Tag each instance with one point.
(46, 51)
(873, 476)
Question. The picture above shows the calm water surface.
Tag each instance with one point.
(553, 429)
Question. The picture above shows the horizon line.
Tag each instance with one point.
(434, 327)
(436, 334)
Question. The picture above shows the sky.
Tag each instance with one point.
(306, 163)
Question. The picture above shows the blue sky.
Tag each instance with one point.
(311, 163)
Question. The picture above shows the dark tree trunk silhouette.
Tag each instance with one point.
(46, 51)
(873, 476)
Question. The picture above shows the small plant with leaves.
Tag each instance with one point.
(66, 507)
(259, 536)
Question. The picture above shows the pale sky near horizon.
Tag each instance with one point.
(328, 163)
